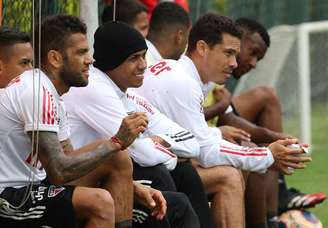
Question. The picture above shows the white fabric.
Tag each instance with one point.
(105, 105)
(152, 54)
(23, 110)
(175, 88)
(229, 109)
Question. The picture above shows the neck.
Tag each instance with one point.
(162, 47)
(60, 86)
(116, 81)
(196, 62)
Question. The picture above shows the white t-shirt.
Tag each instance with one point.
(175, 88)
(25, 108)
(152, 54)
(96, 112)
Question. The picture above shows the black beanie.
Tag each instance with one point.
(114, 43)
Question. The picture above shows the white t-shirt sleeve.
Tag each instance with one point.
(182, 142)
(256, 159)
(64, 129)
(38, 112)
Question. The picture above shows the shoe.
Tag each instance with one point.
(294, 199)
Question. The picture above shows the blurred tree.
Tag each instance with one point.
(18, 13)
(220, 6)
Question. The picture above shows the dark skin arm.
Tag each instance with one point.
(63, 164)
(258, 134)
(222, 100)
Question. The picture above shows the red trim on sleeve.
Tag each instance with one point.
(164, 149)
(44, 106)
(244, 151)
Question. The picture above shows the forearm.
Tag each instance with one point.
(224, 153)
(183, 144)
(258, 134)
(80, 162)
(63, 164)
(215, 110)
(147, 153)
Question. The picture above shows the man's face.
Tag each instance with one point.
(20, 57)
(76, 61)
(220, 60)
(130, 73)
(252, 50)
(141, 23)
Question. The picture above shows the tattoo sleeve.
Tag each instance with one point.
(63, 164)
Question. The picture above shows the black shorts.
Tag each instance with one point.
(47, 206)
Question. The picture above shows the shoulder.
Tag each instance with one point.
(96, 90)
(169, 74)
(30, 83)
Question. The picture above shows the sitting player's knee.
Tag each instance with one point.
(121, 165)
(233, 179)
(182, 200)
(267, 93)
(102, 204)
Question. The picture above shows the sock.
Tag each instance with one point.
(124, 224)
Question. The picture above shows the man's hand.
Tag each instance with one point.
(151, 198)
(281, 135)
(285, 159)
(131, 127)
(234, 135)
(222, 95)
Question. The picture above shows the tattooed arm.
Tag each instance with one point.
(64, 167)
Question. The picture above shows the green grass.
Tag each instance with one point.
(315, 177)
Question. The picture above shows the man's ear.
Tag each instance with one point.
(55, 58)
(178, 36)
(201, 47)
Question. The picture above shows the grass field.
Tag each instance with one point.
(315, 177)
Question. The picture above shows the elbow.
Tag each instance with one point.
(56, 179)
(56, 175)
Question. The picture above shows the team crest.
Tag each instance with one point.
(54, 190)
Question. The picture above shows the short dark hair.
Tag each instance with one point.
(210, 28)
(166, 15)
(55, 31)
(253, 26)
(10, 37)
(126, 11)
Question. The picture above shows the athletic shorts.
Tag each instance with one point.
(47, 206)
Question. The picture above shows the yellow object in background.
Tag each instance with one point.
(210, 100)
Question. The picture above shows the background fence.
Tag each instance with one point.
(18, 13)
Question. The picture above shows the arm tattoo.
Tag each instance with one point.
(124, 135)
(62, 168)
(67, 146)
